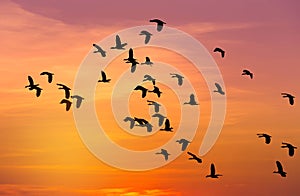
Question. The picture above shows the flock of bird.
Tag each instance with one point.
(162, 120)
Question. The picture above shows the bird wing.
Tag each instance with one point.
(155, 20)
(212, 169)
(30, 81)
(279, 166)
(118, 40)
(103, 75)
(217, 50)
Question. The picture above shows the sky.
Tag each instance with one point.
(42, 152)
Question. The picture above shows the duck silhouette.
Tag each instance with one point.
(213, 172)
(99, 50)
(290, 147)
(266, 136)
(220, 51)
(147, 36)
(104, 78)
(280, 170)
(159, 24)
(119, 45)
(48, 74)
(165, 153)
(184, 143)
(168, 127)
(192, 100)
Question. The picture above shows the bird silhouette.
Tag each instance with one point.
(49, 75)
(194, 157)
(131, 120)
(156, 91)
(119, 44)
(99, 50)
(155, 104)
(266, 136)
(291, 97)
(192, 100)
(159, 23)
(247, 72)
(290, 147)
(165, 153)
(33, 86)
(219, 89)
(147, 34)
(280, 169)
(213, 172)
(167, 126)
(67, 102)
(147, 62)
(179, 78)
(221, 51)
(104, 78)
(149, 78)
(66, 89)
(143, 89)
(184, 143)
(79, 100)
(160, 117)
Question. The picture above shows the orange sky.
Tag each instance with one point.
(42, 153)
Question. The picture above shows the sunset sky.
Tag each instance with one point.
(42, 152)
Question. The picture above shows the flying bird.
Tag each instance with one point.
(155, 104)
(149, 78)
(104, 78)
(33, 86)
(147, 62)
(156, 91)
(179, 78)
(49, 75)
(79, 100)
(165, 153)
(147, 34)
(192, 100)
(99, 50)
(159, 23)
(266, 136)
(280, 169)
(66, 89)
(213, 172)
(184, 143)
(160, 117)
(167, 126)
(131, 120)
(221, 51)
(247, 72)
(291, 97)
(194, 157)
(67, 102)
(290, 147)
(143, 89)
(219, 89)
(119, 44)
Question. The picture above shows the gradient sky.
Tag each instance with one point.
(41, 152)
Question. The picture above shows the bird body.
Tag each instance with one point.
(290, 97)
(213, 172)
(119, 44)
(159, 23)
(266, 136)
(104, 78)
(280, 169)
(192, 100)
(167, 126)
(179, 78)
(99, 50)
(290, 147)
(49, 75)
(221, 51)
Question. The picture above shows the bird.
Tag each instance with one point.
(160, 117)
(143, 89)
(213, 172)
(291, 97)
(290, 147)
(221, 51)
(184, 143)
(130, 56)
(67, 102)
(79, 100)
(50, 75)
(33, 86)
(104, 78)
(99, 50)
(266, 136)
(119, 44)
(219, 89)
(156, 105)
(167, 126)
(192, 100)
(247, 72)
(194, 157)
(156, 91)
(149, 78)
(147, 62)
(165, 153)
(159, 23)
(133, 65)
(179, 78)
(131, 120)
(67, 90)
(147, 34)
(280, 169)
